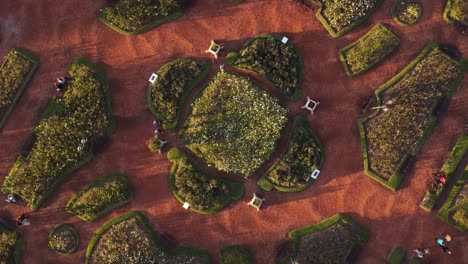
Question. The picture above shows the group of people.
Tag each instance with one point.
(22, 220)
(442, 242)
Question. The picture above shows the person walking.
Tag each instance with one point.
(441, 243)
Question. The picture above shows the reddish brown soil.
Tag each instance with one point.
(60, 31)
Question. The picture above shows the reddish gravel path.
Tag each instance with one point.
(59, 31)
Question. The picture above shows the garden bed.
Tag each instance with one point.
(389, 137)
(16, 71)
(65, 136)
(168, 94)
(456, 12)
(407, 12)
(340, 17)
(11, 242)
(369, 50)
(206, 194)
(64, 239)
(280, 63)
(455, 209)
(335, 240)
(396, 256)
(100, 197)
(135, 17)
(233, 125)
(236, 254)
(304, 154)
(449, 168)
(130, 239)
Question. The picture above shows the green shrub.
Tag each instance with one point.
(236, 254)
(154, 145)
(8, 241)
(64, 138)
(396, 256)
(367, 51)
(234, 125)
(269, 57)
(100, 196)
(132, 15)
(64, 239)
(407, 12)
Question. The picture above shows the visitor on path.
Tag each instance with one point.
(441, 243)
(23, 223)
(157, 123)
(157, 131)
(22, 217)
(11, 198)
(60, 83)
(445, 249)
(420, 252)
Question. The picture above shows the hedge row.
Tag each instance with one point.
(449, 167)
(11, 90)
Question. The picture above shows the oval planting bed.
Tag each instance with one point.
(130, 239)
(203, 193)
(168, 94)
(407, 12)
(64, 239)
(101, 196)
(304, 154)
(11, 242)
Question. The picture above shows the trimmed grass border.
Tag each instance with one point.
(266, 185)
(145, 28)
(234, 55)
(446, 209)
(397, 176)
(396, 256)
(450, 166)
(35, 64)
(342, 32)
(149, 230)
(122, 177)
(75, 233)
(357, 42)
(170, 126)
(237, 189)
(227, 249)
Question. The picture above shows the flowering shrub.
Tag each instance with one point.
(407, 12)
(234, 125)
(373, 47)
(457, 11)
(342, 14)
(100, 197)
(64, 239)
(302, 156)
(277, 62)
(64, 139)
(392, 134)
(131, 15)
(174, 80)
(8, 240)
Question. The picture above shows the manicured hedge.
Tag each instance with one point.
(65, 136)
(159, 252)
(455, 209)
(449, 167)
(340, 17)
(407, 12)
(167, 96)
(396, 256)
(100, 197)
(233, 125)
(369, 50)
(361, 237)
(206, 194)
(64, 239)
(303, 155)
(11, 242)
(16, 71)
(135, 17)
(278, 62)
(235, 254)
(390, 137)
(455, 12)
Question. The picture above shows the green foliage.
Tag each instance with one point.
(340, 17)
(130, 239)
(460, 216)
(154, 145)
(395, 133)
(130, 15)
(204, 193)
(236, 254)
(64, 138)
(407, 12)
(367, 51)
(396, 256)
(303, 155)
(175, 80)
(456, 11)
(100, 196)
(64, 239)
(8, 241)
(234, 125)
(269, 57)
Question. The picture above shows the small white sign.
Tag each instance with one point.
(186, 205)
(315, 174)
(284, 40)
(153, 78)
